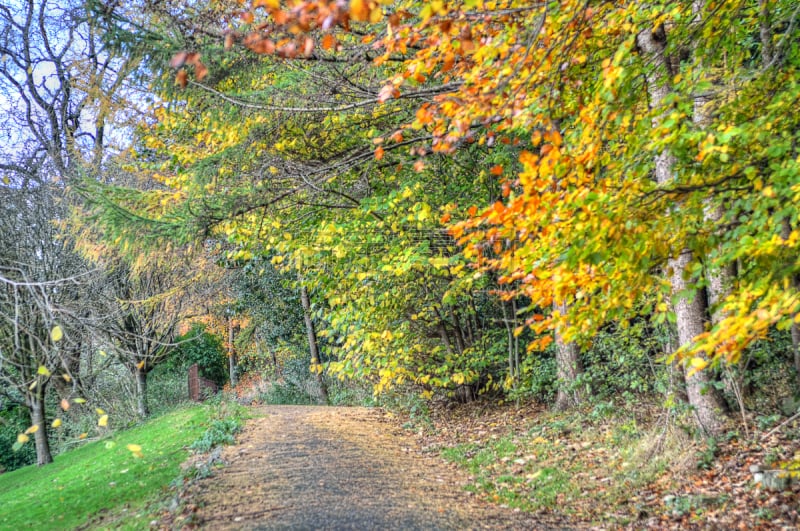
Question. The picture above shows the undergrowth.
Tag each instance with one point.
(226, 420)
(574, 464)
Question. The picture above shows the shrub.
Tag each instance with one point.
(297, 385)
(204, 349)
(624, 361)
(13, 421)
(227, 419)
(221, 431)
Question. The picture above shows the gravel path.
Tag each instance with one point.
(306, 467)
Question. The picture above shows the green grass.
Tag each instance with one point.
(571, 464)
(103, 477)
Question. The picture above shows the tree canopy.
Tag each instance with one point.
(458, 197)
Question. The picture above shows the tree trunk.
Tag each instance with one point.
(568, 368)
(677, 380)
(512, 372)
(513, 341)
(458, 333)
(719, 278)
(796, 346)
(765, 33)
(312, 344)
(786, 231)
(141, 394)
(442, 329)
(274, 361)
(691, 314)
(231, 356)
(39, 419)
(703, 396)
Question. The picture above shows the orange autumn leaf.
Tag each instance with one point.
(328, 42)
(359, 10)
(181, 78)
(200, 71)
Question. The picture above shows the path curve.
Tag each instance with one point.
(309, 467)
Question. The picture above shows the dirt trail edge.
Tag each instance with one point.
(306, 467)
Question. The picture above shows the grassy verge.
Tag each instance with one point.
(570, 464)
(104, 479)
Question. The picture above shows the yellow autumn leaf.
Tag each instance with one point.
(78, 400)
(140, 365)
(103, 421)
(698, 364)
(439, 263)
(375, 15)
(32, 429)
(135, 449)
(22, 438)
(424, 212)
(56, 334)
(56, 423)
(43, 371)
(534, 475)
(359, 10)
(99, 411)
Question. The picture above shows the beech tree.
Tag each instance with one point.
(626, 161)
(631, 167)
